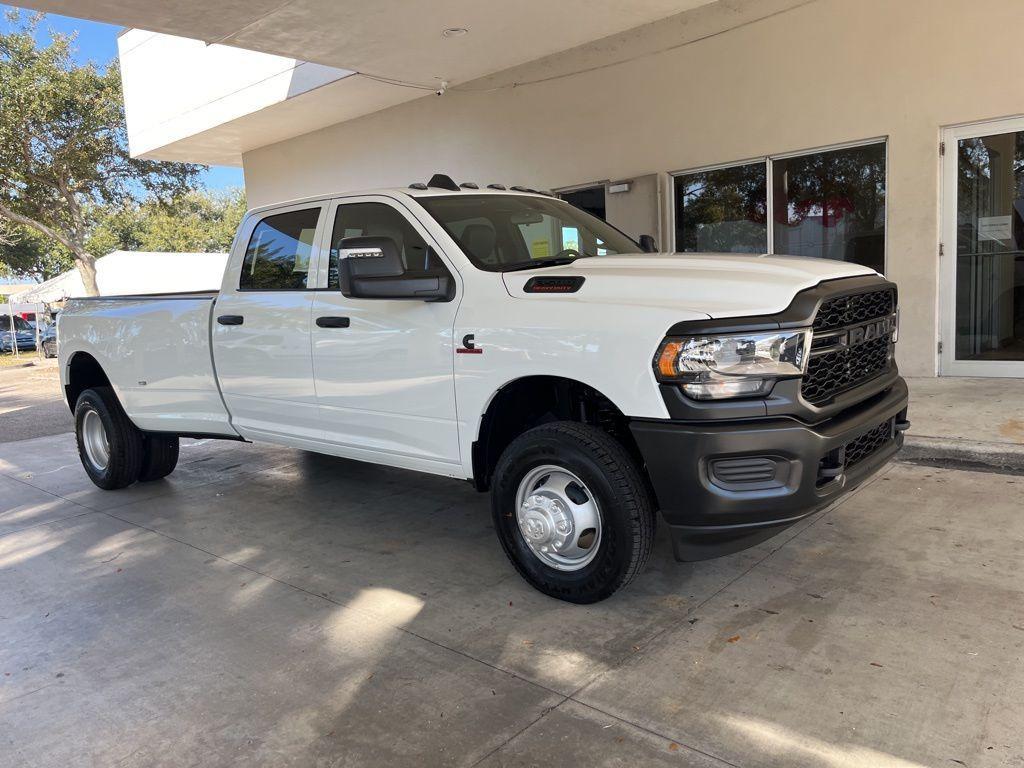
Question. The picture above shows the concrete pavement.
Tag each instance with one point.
(31, 404)
(269, 607)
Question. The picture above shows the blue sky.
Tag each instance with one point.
(98, 43)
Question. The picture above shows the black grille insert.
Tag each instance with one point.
(835, 366)
(868, 444)
(844, 458)
(842, 311)
(845, 368)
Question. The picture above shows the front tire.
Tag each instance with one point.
(572, 511)
(109, 445)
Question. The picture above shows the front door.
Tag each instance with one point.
(983, 246)
(384, 369)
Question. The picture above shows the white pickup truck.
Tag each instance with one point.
(509, 339)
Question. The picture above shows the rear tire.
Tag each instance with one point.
(109, 445)
(593, 469)
(160, 456)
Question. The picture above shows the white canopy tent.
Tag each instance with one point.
(129, 272)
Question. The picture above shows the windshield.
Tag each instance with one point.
(19, 323)
(506, 232)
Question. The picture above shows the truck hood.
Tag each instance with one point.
(716, 284)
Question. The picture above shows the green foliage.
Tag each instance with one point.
(63, 147)
(25, 252)
(194, 221)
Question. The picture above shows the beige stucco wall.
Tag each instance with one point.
(821, 73)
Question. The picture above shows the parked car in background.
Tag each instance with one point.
(595, 380)
(48, 340)
(23, 334)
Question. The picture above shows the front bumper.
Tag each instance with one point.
(726, 486)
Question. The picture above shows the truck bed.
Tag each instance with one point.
(156, 352)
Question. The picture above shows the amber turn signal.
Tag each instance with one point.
(667, 359)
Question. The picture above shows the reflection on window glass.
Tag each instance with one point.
(832, 205)
(571, 238)
(723, 210)
(512, 231)
(279, 251)
(380, 220)
(990, 248)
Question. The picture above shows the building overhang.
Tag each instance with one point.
(210, 81)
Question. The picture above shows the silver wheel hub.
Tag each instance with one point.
(558, 517)
(94, 440)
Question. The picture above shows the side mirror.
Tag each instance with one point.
(648, 244)
(371, 268)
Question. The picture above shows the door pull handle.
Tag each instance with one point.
(332, 322)
(230, 319)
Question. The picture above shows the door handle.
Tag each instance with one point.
(332, 322)
(230, 319)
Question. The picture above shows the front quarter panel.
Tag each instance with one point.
(609, 348)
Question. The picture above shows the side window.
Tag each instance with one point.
(279, 252)
(381, 220)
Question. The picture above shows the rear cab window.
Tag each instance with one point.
(279, 253)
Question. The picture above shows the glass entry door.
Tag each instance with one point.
(983, 243)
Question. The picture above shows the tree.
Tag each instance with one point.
(26, 252)
(194, 221)
(63, 145)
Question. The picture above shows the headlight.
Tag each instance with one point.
(732, 365)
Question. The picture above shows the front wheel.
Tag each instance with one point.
(109, 445)
(572, 511)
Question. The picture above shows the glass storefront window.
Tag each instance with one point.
(827, 204)
(831, 205)
(722, 210)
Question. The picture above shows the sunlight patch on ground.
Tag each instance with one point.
(28, 511)
(774, 738)
(17, 548)
(396, 608)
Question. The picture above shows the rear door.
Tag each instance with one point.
(261, 330)
(384, 368)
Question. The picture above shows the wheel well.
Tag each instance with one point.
(528, 402)
(84, 372)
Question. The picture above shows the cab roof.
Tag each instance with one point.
(438, 186)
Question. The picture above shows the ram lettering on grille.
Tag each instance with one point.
(840, 362)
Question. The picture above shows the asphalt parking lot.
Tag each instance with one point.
(265, 606)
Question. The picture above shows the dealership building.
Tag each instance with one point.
(884, 132)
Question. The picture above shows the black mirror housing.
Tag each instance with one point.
(648, 244)
(371, 268)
